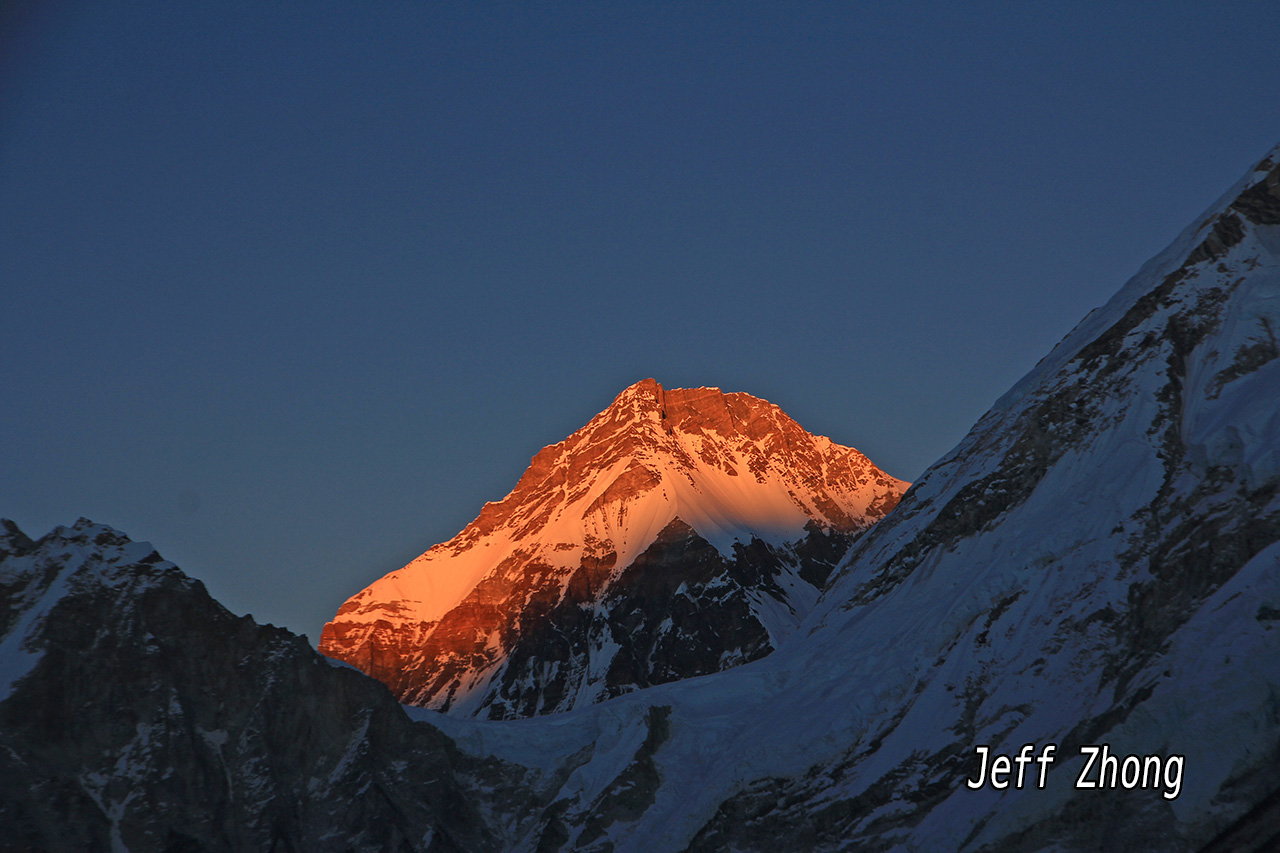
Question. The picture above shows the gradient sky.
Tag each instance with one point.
(291, 289)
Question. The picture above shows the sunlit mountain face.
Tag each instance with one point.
(680, 532)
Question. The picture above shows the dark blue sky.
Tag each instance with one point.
(291, 289)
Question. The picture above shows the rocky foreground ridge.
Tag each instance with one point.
(680, 532)
(136, 713)
(1097, 563)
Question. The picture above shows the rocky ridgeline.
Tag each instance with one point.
(139, 714)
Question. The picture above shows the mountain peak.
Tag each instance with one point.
(647, 393)
(732, 468)
(692, 409)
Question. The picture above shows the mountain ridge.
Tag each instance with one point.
(137, 713)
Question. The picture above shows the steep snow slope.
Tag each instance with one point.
(1094, 564)
(680, 532)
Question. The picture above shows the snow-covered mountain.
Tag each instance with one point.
(1097, 564)
(680, 532)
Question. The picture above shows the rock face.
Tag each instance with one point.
(137, 713)
(680, 532)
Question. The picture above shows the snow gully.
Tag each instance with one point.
(1128, 772)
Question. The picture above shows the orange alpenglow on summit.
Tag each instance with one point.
(680, 532)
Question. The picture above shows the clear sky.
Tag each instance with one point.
(291, 289)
